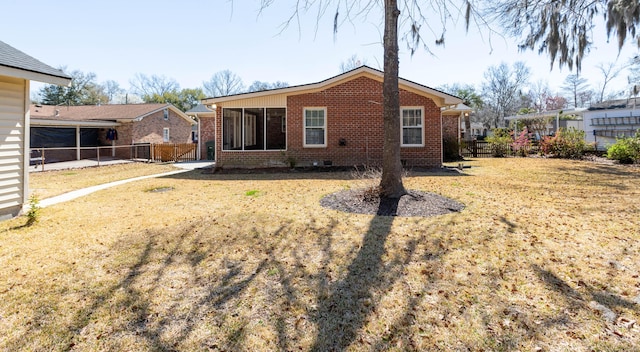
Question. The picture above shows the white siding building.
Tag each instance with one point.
(604, 122)
(17, 69)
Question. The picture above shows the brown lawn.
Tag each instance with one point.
(545, 257)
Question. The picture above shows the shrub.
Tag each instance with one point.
(500, 142)
(451, 150)
(568, 144)
(33, 214)
(625, 150)
(522, 144)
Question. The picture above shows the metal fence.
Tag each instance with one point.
(39, 157)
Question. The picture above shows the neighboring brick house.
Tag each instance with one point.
(336, 122)
(108, 125)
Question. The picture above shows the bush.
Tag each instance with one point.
(625, 150)
(500, 142)
(451, 150)
(522, 144)
(568, 144)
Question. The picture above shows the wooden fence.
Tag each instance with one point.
(482, 149)
(174, 152)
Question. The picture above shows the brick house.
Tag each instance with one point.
(452, 127)
(106, 125)
(336, 122)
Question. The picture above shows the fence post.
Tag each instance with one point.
(475, 148)
(42, 161)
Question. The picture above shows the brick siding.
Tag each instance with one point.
(354, 114)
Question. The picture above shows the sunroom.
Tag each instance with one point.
(254, 129)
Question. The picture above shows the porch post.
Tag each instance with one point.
(77, 142)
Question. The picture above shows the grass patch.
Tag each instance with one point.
(158, 189)
(252, 193)
(545, 256)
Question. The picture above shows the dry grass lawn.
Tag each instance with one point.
(545, 257)
(52, 183)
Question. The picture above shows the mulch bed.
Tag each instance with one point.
(414, 203)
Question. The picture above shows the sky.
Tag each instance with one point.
(190, 40)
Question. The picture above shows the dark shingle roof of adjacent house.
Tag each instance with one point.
(630, 103)
(13, 58)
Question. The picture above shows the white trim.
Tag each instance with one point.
(34, 76)
(421, 126)
(304, 126)
(166, 136)
(26, 146)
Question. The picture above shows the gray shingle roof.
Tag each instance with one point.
(200, 108)
(14, 58)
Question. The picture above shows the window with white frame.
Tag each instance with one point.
(166, 114)
(315, 127)
(412, 126)
(165, 135)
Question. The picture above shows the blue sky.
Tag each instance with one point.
(190, 40)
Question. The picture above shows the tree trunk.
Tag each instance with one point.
(391, 183)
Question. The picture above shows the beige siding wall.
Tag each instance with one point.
(12, 141)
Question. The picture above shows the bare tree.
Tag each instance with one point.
(257, 86)
(147, 86)
(502, 89)
(111, 89)
(576, 87)
(351, 63)
(223, 83)
(609, 72)
(539, 92)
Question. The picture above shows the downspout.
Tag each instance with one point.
(441, 140)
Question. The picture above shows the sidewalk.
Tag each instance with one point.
(183, 166)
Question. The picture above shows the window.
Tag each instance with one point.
(165, 135)
(315, 127)
(166, 114)
(412, 128)
(254, 129)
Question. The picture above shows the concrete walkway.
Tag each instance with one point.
(184, 167)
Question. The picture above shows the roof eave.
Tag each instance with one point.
(34, 76)
(442, 99)
(51, 123)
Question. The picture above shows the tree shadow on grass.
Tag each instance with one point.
(167, 264)
(603, 301)
(342, 313)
